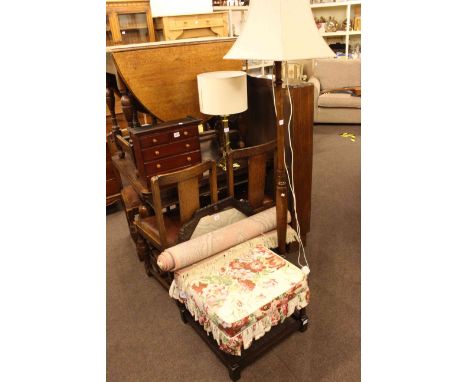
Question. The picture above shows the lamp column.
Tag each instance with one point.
(226, 142)
(281, 185)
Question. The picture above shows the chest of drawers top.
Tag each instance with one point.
(165, 132)
(167, 147)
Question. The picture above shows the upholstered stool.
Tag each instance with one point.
(229, 284)
(239, 296)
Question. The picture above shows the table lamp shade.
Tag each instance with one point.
(279, 30)
(222, 93)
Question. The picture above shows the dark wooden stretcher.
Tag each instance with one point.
(235, 364)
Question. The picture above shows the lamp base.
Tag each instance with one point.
(223, 165)
(226, 144)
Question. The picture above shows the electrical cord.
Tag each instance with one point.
(290, 177)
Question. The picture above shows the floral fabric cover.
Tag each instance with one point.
(239, 297)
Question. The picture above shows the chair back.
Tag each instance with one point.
(187, 181)
(257, 157)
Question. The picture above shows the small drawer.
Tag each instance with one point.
(171, 163)
(175, 148)
(184, 133)
(186, 22)
(199, 22)
(212, 21)
(154, 139)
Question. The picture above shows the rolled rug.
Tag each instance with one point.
(194, 250)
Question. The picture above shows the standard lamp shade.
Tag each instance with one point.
(279, 30)
(222, 93)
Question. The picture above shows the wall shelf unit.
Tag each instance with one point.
(334, 34)
(335, 4)
(341, 11)
(236, 17)
(231, 8)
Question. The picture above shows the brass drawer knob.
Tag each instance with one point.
(189, 158)
(187, 145)
(185, 132)
(156, 152)
(158, 166)
(155, 140)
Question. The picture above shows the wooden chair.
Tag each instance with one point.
(257, 157)
(131, 202)
(161, 231)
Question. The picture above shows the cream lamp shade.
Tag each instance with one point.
(222, 93)
(279, 30)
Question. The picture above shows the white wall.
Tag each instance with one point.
(180, 7)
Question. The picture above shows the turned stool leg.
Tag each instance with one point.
(234, 372)
(304, 320)
(182, 310)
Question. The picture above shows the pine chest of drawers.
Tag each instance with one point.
(167, 147)
(190, 26)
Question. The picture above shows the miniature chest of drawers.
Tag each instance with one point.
(167, 147)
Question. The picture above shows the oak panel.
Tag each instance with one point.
(163, 76)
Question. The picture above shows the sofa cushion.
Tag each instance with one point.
(337, 115)
(336, 74)
(339, 100)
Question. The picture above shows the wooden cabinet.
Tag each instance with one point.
(167, 147)
(190, 26)
(260, 122)
(128, 22)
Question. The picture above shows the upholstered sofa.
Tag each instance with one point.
(333, 74)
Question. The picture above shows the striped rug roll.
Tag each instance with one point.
(201, 247)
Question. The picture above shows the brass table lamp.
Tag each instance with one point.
(223, 93)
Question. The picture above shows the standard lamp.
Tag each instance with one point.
(223, 93)
(280, 31)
